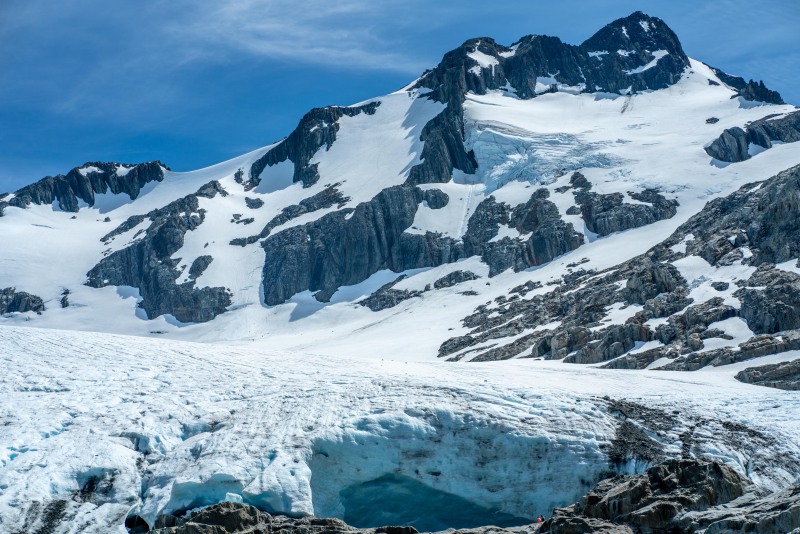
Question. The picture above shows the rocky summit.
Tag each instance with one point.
(541, 279)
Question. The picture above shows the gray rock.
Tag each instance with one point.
(147, 263)
(754, 91)
(317, 128)
(199, 265)
(68, 190)
(660, 500)
(330, 196)
(253, 203)
(13, 301)
(784, 375)
(454, 278)
(606, 214)
(771, 300)
(734, 143)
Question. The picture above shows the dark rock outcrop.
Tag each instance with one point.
(236, 518)
(347, 247)
(83, 183)
(253, 203)
(456, 277)
(12, 301)
(771, 300)
(687, 495)
(733, 145)
(317, 128)
(784, 375)
(388, 297)
(752, 90)
(147, 263)
(330, 196)
(606, 214)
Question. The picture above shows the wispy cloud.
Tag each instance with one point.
(355, 34)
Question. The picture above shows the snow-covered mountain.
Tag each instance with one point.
(615, 204)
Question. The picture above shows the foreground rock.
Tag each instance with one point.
(686, 495)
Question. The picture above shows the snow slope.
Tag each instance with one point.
(620, 143)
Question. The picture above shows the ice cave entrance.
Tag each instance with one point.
(401, 500)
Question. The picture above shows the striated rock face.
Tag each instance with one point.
(12, 301)
(147, 264)
(785, 375)
(733, 145)
(81, 184)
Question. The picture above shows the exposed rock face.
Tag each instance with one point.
(147, 264)
(317, 128)
(345, 248)
(83, 183)
(755, 91)
(456, 277)
(785, 375)
(637, 36)
(338, 250)
(330, 196)
(688, 495)
(606, 214)
(679, 496)
(567, 321)
(12, 301)
(771, 300)
(733, 145)
(388, 297)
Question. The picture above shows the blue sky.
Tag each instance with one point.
(192, 82)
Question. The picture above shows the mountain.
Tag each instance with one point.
(614, 204)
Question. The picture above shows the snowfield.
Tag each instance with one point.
(163, 426)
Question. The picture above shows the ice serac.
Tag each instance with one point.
(82, 184)
(147, 264)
